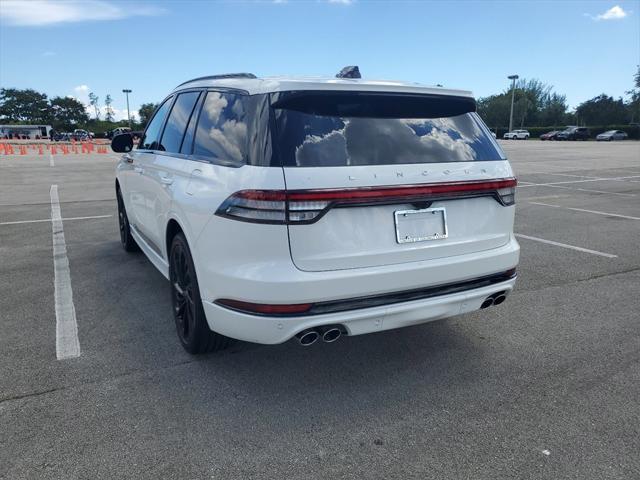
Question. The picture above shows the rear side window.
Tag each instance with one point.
(221, 134)
(177, 122)
(380, 129)
(151, 137)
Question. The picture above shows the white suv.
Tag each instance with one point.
(315, 208)
(517, 135)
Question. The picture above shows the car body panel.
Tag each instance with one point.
(356, 237)
(280, 286)
(341, 257)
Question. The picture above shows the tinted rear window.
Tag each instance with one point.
(178, 118)
(222, 132)
(375, 129)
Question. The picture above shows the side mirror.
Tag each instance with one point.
(122, 143)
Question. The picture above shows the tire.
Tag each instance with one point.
(127, 241)
(191, 323)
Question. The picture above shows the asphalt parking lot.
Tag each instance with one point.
(545, 386)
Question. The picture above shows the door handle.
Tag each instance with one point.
(166, 180)
(127, 158)
(138, 170)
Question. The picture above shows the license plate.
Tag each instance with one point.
(420, 225)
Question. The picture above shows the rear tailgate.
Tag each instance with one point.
(380, 178)
(394, 231)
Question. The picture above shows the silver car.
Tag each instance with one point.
(612, 135)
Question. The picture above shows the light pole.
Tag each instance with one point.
(513, 79)
(126, 91)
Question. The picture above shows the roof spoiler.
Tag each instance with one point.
(346, 103)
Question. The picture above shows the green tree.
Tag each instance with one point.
(145, 112)
(602, 110)
(535, 104)
(494, 110)
(553, 110)
(634, 102)
(93, 101)
(68, 113)
(109, 111)
(22, 106)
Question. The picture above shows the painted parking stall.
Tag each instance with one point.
(543, 384)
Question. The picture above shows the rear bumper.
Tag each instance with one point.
(292, 286)
(273, 330)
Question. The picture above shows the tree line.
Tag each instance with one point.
(28, 106)
(537, 105)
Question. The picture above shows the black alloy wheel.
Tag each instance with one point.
(127, 241)
(191, 322)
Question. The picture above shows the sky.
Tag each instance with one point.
(71, 48)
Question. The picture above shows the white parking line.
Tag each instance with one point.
(591, 179)
(18, 222)
(51, 163)
(584, 190)
(564, 245)
(67, 343)
(629, 217)
(569, 175)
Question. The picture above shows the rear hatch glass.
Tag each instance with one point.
(344, 128)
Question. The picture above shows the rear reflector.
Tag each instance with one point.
(265, 309)
(307, 206)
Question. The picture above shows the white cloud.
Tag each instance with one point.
(81, 93)
(614, 13)
(342, 2)
(50, 12)
(49, 53)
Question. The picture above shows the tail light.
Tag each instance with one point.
(294, 207)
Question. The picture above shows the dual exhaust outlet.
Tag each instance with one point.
(329, 334)
(495, 299)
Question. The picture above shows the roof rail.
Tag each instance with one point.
(220, 77)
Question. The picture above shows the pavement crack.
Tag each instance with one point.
(581, 280)
(99, 381)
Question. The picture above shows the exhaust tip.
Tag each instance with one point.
(307, 337)
(331, 335)
(487, 303)
(499, 299)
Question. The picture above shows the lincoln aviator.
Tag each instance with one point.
(314, 208)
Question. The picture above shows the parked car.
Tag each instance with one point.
(574, 133)
(612, 135)
(253, 239)
(62, 137)
(550, 135)
(517, 135)
(80, 135)
(118, 131)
